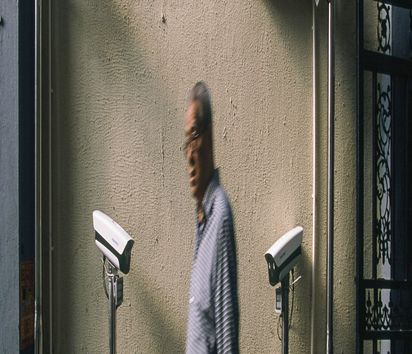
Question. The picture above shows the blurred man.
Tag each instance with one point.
(213, 305)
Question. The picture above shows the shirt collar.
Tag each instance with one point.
(207, 202)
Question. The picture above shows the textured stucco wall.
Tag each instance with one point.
(121, 73)
(9, 158)
(345, 164)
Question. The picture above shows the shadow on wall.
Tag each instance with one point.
(291, 19)
(164, 336)
(85, 160)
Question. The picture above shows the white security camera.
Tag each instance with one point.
(284, 254)
(115, 243)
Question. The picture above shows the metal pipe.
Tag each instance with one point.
(314, 200)
(285, 314)
(359, 175)
(50, 177)
(43, 174)
(331, 162)
(112, 273)
(38, 330)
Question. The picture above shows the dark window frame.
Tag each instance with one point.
(400, 71)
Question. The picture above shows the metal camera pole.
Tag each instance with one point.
(112, 273)
(285, 314)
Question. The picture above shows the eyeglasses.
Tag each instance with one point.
(192, 142)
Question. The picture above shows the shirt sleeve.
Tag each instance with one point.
(225, 297)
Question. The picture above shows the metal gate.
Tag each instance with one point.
(384, 177)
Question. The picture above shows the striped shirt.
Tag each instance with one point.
(213, 306)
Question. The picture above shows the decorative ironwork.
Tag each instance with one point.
(376, 314)
(383, 174)
(381, 316)
(384, 28)
(383, 300)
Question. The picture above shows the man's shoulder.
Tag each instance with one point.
(222, 204)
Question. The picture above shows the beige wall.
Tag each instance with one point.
(121, 73)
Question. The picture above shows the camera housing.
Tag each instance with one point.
(113, 241)
(284, 254)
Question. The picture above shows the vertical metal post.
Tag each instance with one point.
(50, 173)
(285, 314)
(43, 179)
(112, 273)
(314, 174)
(375, 207)
(38, 320)
(331, 143)
(359, 180)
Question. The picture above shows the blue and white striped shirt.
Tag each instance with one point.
(213, 323)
